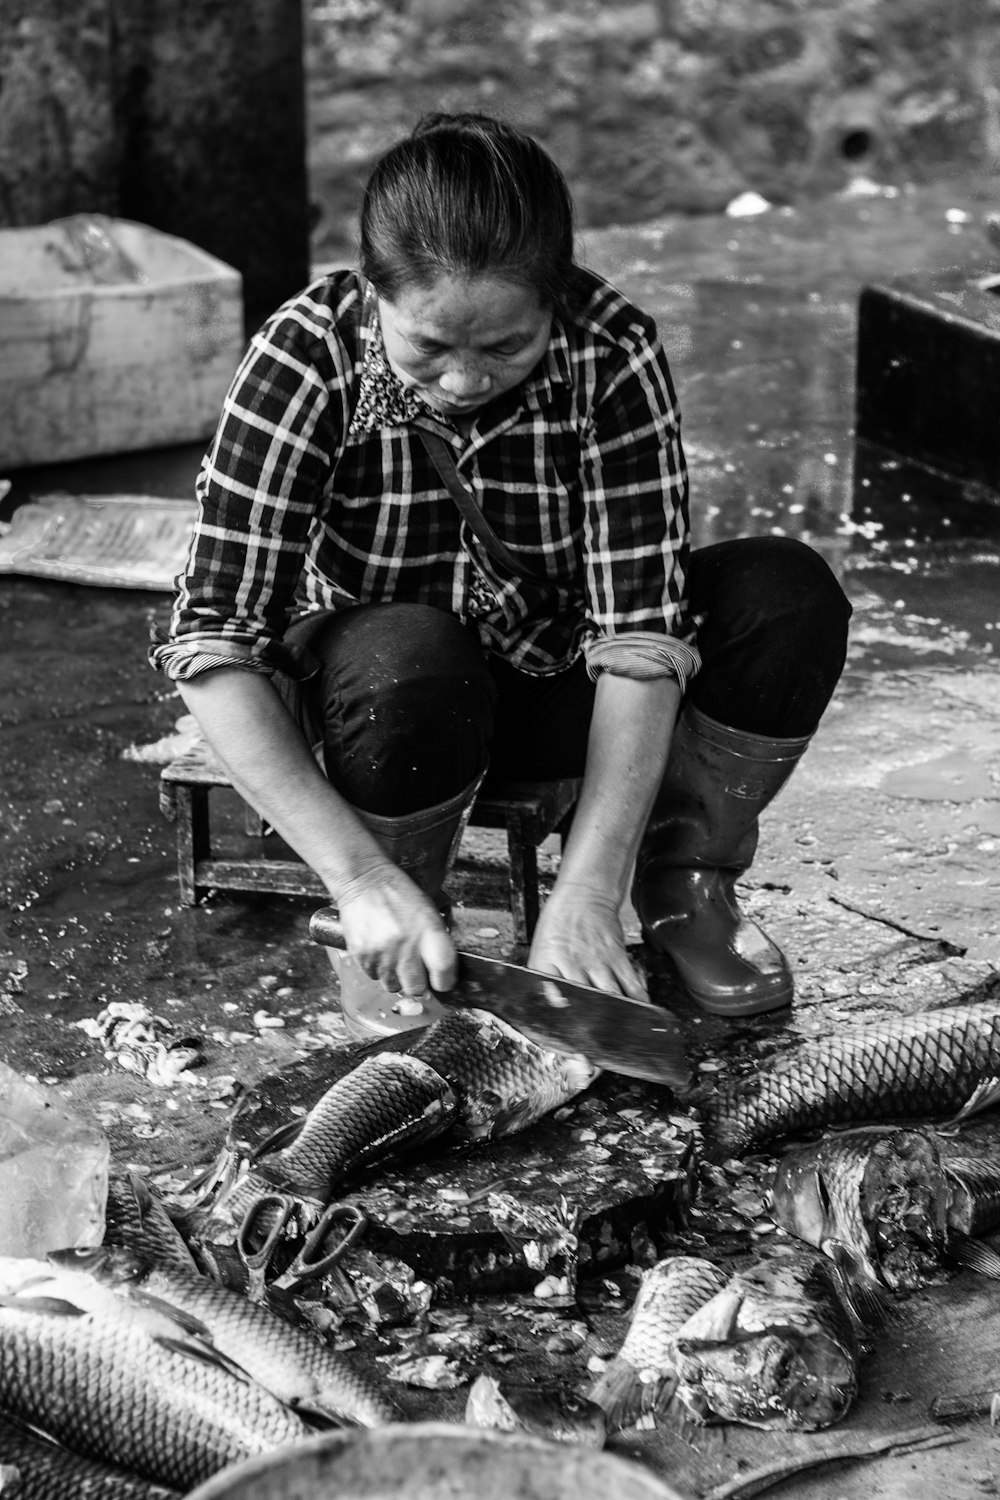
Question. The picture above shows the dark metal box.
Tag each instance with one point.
(928, 371)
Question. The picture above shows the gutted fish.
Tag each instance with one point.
(875, 1200)
(931, 1063)
(150, 1398)
(639, 1383)
(546, 1411)
(38, 1469)
(293, 1364)
(775, 1348)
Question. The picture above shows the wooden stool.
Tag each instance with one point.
(529, 811)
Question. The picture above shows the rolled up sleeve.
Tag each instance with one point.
(260, 491)
(636, 519)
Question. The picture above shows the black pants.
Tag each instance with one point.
(409, 710)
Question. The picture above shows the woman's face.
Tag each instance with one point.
(463, 341)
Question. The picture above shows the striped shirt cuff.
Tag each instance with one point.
(182, 660)
(642, 655)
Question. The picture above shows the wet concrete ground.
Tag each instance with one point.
(878, 868)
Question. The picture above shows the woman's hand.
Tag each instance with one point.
(396, 933)
(579, 937)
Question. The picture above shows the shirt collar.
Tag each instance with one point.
(383, 400)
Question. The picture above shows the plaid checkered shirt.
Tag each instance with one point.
(317, 493)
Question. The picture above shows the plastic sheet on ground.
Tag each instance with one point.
(111, 541)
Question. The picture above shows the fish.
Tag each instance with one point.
(639, 1383)
(468, 1074)
(875, 1200)
(148, 1396)
(927, 1064)
(40, 1469)
(290, 1362)
(388, 1102)
(136, 1219)
(777, 1348)
(545, 1411)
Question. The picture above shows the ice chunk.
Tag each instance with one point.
(53, 1171)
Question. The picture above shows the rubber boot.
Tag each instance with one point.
(700, 838)
(423, 844)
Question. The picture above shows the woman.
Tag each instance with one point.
(358, 654)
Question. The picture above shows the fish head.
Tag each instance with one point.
(106, 1263)
(778, 1378)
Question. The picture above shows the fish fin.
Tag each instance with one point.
(318, 1414)
(865, 1296)
(983, 1096)
(279, 1140)
(975, 1255)
(823, 1192)
(55, 1307)
(206, 1353)
(188, 1324)
(141, 1195)
(493, 1118)
(627, 1399)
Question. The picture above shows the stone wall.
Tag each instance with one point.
(649, 105)
(659, 105)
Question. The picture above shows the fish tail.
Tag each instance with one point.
(628, 1397)
(974, 1255)
(862, 1293)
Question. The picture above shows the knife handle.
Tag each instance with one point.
(325, 928)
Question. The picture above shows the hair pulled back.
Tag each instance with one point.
(468, 195)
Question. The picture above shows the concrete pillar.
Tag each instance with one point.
(211, 121)
(58, 151)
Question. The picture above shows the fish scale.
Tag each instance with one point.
(928, 1063)
(47, 1471)
(106, 1389)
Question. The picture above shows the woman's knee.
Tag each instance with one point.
(406, 705)
(763, 584)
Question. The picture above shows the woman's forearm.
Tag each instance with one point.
(272, 767)
(626, 757)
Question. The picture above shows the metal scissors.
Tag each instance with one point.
(270, 1214)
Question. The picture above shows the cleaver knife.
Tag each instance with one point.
(611, 1031)
(614, 1033)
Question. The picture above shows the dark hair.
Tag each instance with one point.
(465, 195)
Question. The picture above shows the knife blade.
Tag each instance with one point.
(613, 1032)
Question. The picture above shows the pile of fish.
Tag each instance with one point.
(885, 1209)
(776, 1345)
(126, 1370)
(194, 1336)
